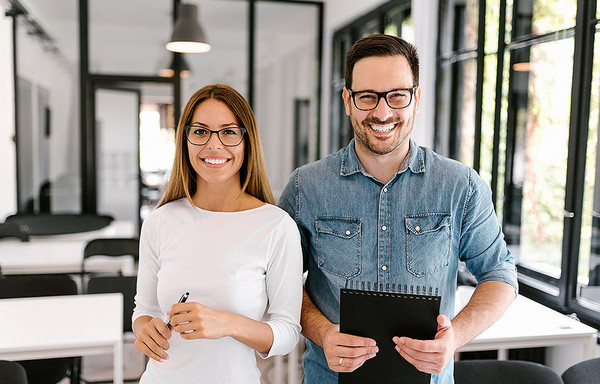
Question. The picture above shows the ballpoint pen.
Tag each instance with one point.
(182, 299)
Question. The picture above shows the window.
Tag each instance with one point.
(392, 18)
(519, 100)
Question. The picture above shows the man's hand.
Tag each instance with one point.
(344, 352)
(429, 356)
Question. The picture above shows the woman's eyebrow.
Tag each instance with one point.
(224, 125)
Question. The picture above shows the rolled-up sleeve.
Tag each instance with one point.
(482, 245)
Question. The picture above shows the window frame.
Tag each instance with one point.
(559, 294)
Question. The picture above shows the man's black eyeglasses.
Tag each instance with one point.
(395, 99)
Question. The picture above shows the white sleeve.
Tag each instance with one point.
(146, 298)
(284, 288)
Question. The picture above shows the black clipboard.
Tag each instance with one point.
(381, 316)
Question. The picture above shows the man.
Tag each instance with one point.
(388, 211)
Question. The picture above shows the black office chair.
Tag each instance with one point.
(12, 373)
(45, 371)
(503, 372)
(585, 372)
(107, 247)
(20, 231)
(114, 284)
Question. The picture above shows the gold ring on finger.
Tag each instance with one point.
(340, 362)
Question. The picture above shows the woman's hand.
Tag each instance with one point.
(151, 337)
(197, 321)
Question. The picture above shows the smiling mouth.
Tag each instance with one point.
(215, 161)
(382, 128)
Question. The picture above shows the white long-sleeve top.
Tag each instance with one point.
(247, 262)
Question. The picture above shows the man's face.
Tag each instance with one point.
(383, 130)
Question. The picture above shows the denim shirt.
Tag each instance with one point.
(412, 230)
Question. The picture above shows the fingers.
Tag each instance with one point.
(429, 356)
(346, 353)
(443, 322)
(152, 340)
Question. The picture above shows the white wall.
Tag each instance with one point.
(8, 172)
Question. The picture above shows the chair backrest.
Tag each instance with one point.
(112, 247)
(123, 284)
(585, 372)
(36, 285)
(503, 371)
(12, 373)
(46, 371)
(20, 231)
(119, 246)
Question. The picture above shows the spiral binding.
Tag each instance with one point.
(394, 288)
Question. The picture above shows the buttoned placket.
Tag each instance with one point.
(383, 237)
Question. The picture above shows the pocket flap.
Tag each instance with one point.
(427, 223)
(341, 227)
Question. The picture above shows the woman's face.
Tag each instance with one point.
(214, 162)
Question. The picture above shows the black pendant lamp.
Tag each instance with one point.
(188, 36)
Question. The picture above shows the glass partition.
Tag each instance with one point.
(539, 124)
(48, 110)
(129, 37)
(286, 85)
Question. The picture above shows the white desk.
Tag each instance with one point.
(528, 324)
(63, 326)
(63, 253)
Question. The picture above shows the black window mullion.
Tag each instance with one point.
(579, 124)
(456, 76)
(498, 105)
(479, 84)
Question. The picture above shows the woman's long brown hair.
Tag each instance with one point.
(253, 173)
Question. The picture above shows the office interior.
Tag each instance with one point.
(90, 97)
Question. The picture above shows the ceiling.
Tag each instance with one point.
(129, 36)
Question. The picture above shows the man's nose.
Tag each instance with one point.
(382, 111)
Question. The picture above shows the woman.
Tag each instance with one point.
(217, 236)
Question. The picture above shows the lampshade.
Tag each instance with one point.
(188, 36)
(169, 71)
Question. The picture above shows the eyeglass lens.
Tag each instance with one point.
(397, 99)
(228, 136)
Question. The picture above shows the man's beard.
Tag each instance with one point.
(374, 145)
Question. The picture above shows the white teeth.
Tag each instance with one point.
(382, 128)
(215, 161)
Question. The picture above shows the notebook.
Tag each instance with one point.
(382, 314)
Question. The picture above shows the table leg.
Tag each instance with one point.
(278, 369)
(589, 348)
(293, 366)
(503, 354)
(118, 363)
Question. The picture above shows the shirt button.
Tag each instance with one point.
(348, 233)
(417, 228)
(384, 268)
(383, 227)
(384, 189)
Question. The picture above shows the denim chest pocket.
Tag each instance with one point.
(338, 246)
(428, 239)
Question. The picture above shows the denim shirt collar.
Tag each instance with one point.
(415, 161)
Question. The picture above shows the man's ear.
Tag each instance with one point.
(346, 97)
(417, 97)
